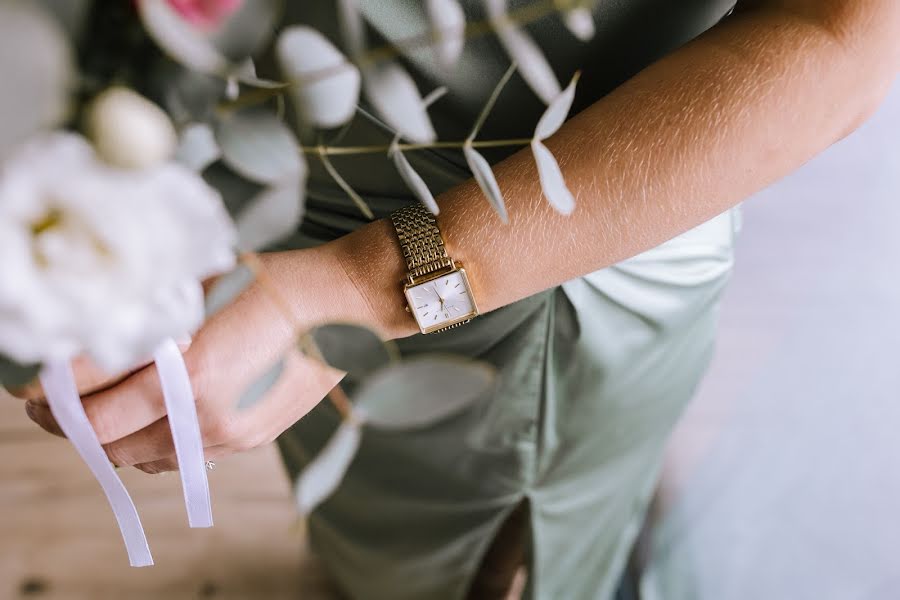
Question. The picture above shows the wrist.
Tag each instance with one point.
(372, 269)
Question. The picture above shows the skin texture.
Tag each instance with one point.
(683, 141)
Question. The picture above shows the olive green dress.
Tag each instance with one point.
(593, 373)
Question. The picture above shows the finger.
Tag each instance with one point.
(170, 463)
(151, 443)
(89, 377)
(40, 414)
(127, 407)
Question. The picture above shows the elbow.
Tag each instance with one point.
(867, 35)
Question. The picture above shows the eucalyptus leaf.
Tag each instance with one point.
(352, 27)
(258, 389)
(14, 375)
(556, 113)
(324, 84)
(580, 22)
(197, 147)
(552, 182)
(484, 175)
(271, 216)
(247, 31)
(533, 65)
(38, 72)
(353, 348)
(183, 42)
(422, 391)
(397, 100)
(227, 288)
(448, 25)
(260, 147)
(324, 474)
(414, 181)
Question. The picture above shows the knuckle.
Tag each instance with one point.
(197, 372)
(223, 430)
(103, 425)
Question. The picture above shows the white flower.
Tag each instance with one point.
(101, 260)
(129, 131)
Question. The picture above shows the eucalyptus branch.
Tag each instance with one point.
(383, 148)
(521, 17)
(337, 396)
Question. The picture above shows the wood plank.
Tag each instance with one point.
(59, 540)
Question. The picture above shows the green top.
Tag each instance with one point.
(593, 373)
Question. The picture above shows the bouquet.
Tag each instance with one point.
(111, 117)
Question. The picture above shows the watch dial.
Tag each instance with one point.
(441, 301)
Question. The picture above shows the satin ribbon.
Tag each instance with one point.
(65, 405)
(182, 415)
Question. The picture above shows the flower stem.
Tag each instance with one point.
(384, 148)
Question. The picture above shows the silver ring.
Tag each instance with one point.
(210, 465)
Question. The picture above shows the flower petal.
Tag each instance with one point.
(396, 99)
(555, 115)
(422, 391)
(448, 24)
(552, 182)
(532, 63)
(580, 22)
(324, 84)
(414, 181)
(484, 175)
(323, 475)
(272, 216)
(179, 39)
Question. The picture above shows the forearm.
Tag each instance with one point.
(684, 140)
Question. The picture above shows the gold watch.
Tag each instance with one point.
(437, 289)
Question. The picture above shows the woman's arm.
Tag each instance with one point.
(683, 141)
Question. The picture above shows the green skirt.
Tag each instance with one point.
(593, 375)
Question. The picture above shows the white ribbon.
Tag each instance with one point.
(182, 414)
(65, 404)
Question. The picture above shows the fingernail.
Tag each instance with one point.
(30, 408)
(41, 415)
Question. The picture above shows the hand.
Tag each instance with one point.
(231, 350)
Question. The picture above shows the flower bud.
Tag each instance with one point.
(128, 130)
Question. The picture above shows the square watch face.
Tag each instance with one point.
(442, 301)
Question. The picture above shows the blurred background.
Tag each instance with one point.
(782, 480)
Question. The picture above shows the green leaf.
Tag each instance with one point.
(246, 32)
(227, 288)
(14, 375)
(263, 384)
(324, 474)
(37, 66)
(353, 348)
(271, 216)
(179, 39)
(197, 147)
(260, 147)
(422, 391)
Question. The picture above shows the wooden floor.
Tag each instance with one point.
(58, 538)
